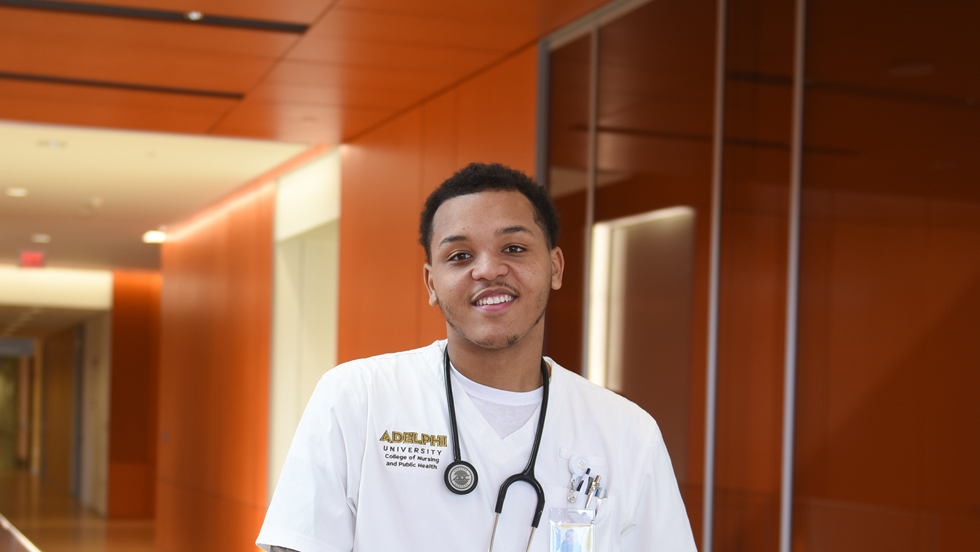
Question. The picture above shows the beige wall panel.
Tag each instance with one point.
(95, 412)
(304, 331)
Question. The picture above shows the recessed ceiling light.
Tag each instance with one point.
(912, 69)
(48, 143)
(193, 16)
(18, 192)
(154, 236)
(41, 238)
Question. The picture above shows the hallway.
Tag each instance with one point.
(56, 522)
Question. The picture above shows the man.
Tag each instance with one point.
(369, 466)
(570, 544)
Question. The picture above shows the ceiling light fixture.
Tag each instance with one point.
(154, 236)
(41, 238)
(194, 16)
(48, 143)
(18, 192)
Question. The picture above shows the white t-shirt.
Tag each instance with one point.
(505, 411)
(365, 469)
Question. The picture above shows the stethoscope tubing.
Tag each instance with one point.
(526, 476)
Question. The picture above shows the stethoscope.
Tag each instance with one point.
(461, 477)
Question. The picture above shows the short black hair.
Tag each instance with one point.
(480, 177)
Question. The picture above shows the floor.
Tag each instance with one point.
(56, 522)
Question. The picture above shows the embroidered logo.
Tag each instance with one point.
(425, 453)
(414, 438)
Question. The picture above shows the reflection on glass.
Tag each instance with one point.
(752, 277)
(567, 151)
(888, 407)
(641, 301)
(655, 113)
(656, 92)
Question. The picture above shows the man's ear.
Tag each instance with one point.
(429, 285)
(557, 267)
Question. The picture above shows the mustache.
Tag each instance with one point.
(495, 285)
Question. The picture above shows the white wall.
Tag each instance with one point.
(95, 412)
(66, 288)
(304, 324)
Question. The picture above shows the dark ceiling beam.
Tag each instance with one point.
(189, 18)
(120, 85)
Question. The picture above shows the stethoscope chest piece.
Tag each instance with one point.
(461, 477)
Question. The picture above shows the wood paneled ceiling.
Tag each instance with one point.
(144, 64)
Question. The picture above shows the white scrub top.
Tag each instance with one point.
(365, 468)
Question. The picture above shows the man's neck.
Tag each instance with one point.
(514, 368)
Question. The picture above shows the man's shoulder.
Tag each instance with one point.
(608, 407)
(366, 371)
(353, 385)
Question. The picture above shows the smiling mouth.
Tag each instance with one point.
(494, 300)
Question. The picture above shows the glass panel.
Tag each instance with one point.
(568, 138)
(888, 403)
(655, 115)
(752, 281)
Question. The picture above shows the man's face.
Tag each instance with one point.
(492, 270)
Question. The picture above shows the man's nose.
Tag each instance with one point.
(489, 267)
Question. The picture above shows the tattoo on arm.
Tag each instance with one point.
(281, 549)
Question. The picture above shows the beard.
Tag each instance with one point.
(493, 342)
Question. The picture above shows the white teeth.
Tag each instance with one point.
(495, 300)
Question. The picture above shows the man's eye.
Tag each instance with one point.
(459, 257)
(514, 249)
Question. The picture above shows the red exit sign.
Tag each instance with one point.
(31, 259)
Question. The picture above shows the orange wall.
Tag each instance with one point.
(388, 172)
(214, 364)
(133, 394)
(215, 336)
(214, 376)
(59, 407)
